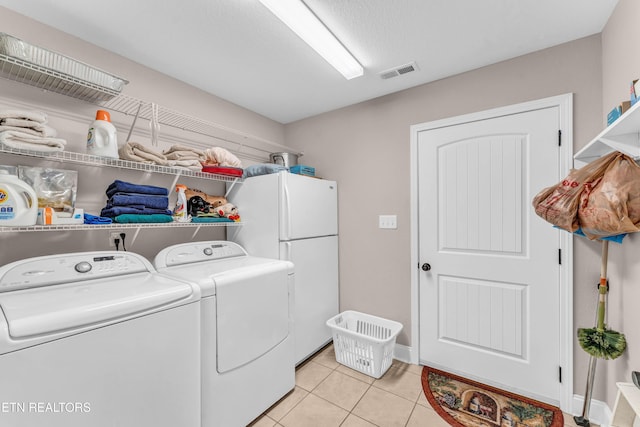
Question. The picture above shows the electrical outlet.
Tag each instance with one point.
(388, 221)
(112, 238)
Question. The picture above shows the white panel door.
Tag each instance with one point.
(489, 305)
(309, 207)
(316, 291)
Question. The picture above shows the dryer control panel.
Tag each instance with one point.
(60, 269)
(198, 252)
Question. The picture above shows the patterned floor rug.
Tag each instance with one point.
(465, 403)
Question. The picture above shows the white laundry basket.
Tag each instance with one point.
(364, 342)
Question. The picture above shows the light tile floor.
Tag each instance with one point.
(328, 394)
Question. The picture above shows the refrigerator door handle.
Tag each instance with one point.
(287, 252)
(286, 218)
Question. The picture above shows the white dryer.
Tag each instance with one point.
(247, 327)
(97, 339)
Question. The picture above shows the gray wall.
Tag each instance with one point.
(366, 148)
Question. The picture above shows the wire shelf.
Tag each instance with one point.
(165, 116)
(15, 69)
(51, 80)
(118, 226)
(91, 160)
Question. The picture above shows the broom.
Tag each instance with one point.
(601, 342)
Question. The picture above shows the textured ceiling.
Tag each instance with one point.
(237, 50)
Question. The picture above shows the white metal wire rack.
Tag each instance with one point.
(160, 115)
(51, 80)
(90, 160)
(16, 69)
(118, 226)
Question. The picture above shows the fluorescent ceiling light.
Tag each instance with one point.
(296, 15)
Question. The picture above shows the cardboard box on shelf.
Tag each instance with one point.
(48, 216)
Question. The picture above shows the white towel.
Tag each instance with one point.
(36, 116)
(43, 131)
(184, 155)
(140, 153)
(24, 141)
(193, 165)
(178, 152)
(29, 124)
(218, 156)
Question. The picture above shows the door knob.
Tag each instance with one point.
(426, 266)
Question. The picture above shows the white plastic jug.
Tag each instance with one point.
(18, 201)
(102, 139)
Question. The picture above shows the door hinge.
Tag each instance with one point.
(559, 138)
(559, 374)
(560, 256)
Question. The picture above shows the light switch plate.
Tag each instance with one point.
(388, 221)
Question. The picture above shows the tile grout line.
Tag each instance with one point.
(349, 412)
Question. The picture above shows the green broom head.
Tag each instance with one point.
(602, 343)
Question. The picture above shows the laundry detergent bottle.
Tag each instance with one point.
(18, 201)
(102, 139)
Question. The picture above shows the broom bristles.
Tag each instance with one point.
(603, 344)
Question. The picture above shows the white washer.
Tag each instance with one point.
(247, 327)
(97, 339)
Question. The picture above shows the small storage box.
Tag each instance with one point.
(364, 342)
(303, 170)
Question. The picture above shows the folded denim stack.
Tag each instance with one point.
(128, 202)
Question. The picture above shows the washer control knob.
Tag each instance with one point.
(208, 251)
(83, 267)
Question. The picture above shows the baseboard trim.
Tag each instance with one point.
(405, 354)
(599, 412)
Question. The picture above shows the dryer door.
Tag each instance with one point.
(252, 313)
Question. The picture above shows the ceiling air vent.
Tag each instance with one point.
(398, 71)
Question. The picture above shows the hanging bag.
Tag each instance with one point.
(559, 203)
(611, 205)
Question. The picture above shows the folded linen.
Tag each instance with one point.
(93, 219)
(144, 200)
(36, 116)
(140, 153)
(218, 156)
(180, 152)
(114, 211)
(155, 218)
(118, 186)
(209, 219)
(44, 131)
(184, 155)
(191, 164)
(24, 141)
(262, 169)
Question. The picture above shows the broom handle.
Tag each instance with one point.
(602, 289)
(603, 260)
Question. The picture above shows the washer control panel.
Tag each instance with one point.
(60, 269)
(197, 252)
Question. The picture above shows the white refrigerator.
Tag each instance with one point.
(295, 218)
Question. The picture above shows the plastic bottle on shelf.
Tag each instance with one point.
(102, 139)
(180, 212)
(18, 201)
